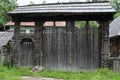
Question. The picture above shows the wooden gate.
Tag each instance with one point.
(70, 49)
(26, 52)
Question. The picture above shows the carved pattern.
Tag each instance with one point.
(16, 54)
(16, 44)
(37, 58)
(105, 44)
(38, 43)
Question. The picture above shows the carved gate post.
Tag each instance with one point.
(104, 43)
(38, 50)
(16, 54)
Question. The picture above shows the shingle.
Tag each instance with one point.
(115, 28)
(5, 37)
(65, 8)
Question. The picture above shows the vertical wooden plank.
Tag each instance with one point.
(73, 47)
(77, 50)
(52, 48)
(45, 47)
(67, 47)
(65, 54)
(56, 48)
(88, 46)
(48, 49)
(91, 48)
(82, 46)
(96, 55)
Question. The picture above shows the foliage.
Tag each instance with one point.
(15, 73)
(7, 51)
(5, 6)
(117, 15)
(103, 74)
(115, 4)
(94, 24)
(82, 24)
(31, 3)
(44, 2)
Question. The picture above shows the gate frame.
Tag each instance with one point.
(39, 18)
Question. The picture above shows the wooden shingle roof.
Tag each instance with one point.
(115, 28)
(5, 37)
(79, 7)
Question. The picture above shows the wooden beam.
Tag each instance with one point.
(70, 24)
(61, 18)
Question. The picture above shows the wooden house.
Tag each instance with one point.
(63, 48)
(6, 47)
(114, 35)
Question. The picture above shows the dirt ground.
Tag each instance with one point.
(37, 78)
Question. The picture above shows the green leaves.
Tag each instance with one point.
(81, 24)
(115, 4)
(6, 6)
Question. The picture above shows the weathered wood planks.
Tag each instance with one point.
(71, 49)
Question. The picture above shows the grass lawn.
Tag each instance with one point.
(15, 73)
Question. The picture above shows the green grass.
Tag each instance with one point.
(15, 73)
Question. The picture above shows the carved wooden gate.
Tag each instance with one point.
(26, 52)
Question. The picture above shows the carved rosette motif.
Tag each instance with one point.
(105, 44)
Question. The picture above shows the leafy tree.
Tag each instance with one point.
(6, 6)
(117, 15)
(44, 2)
(115, 4)
(95, 0)
(75, 0)
(31, 3)
(81, 24)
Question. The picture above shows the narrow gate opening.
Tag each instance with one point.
(27, 50)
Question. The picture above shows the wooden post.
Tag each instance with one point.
(16, 55)
(38, 43)
(70, 24)
(104, 43)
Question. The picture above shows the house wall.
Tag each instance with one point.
(115, 46)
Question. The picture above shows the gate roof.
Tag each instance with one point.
(63, 9)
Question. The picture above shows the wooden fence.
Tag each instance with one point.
(115, 64)
(70, 49)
